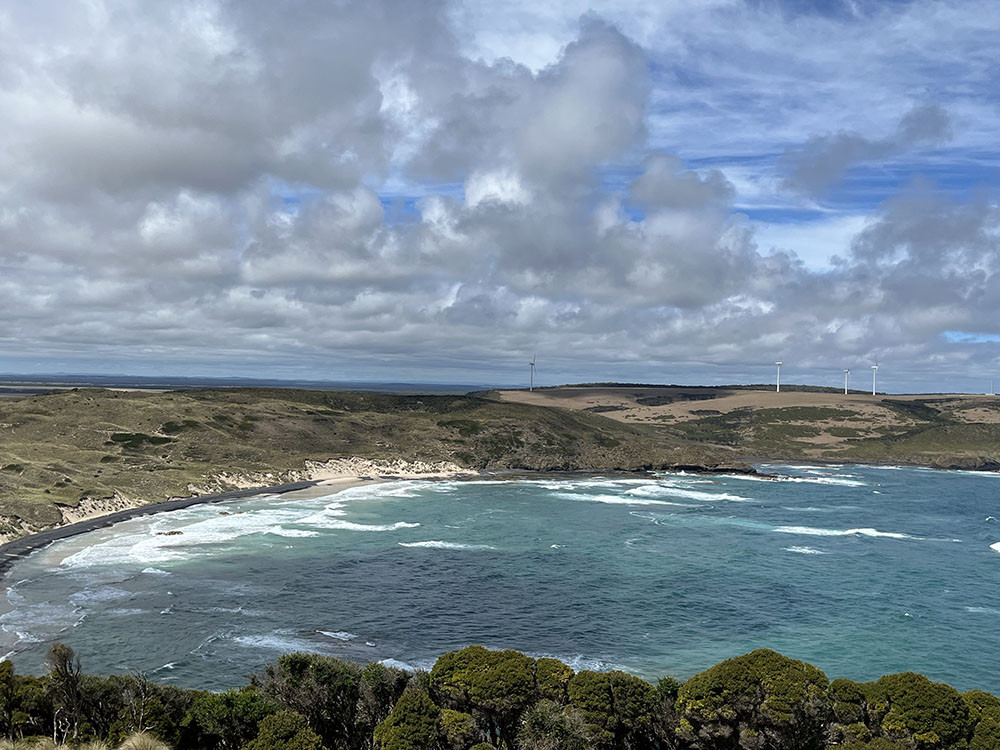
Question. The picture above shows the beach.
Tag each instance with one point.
(322, 478)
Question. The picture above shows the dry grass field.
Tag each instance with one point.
(128, 448)
(944, 430)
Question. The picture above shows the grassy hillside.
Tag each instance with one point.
(59, 448)
(946, 431)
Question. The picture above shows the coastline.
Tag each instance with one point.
(319, 478)
(17, 549)
(329, 480)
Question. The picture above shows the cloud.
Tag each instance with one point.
(370, 189)
(823, 160)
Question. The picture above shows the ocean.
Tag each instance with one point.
(861, 571)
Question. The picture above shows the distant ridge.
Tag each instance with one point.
(744, 387)
(35, 384)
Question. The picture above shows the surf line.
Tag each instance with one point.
(17, 549)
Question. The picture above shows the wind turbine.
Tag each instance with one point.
(874, 376)
(531, 364)
(847, 377)
(777, 383)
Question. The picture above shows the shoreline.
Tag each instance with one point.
(17, 549)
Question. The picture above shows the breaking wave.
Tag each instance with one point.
(810, 531)
(435, 544)
(805, 550)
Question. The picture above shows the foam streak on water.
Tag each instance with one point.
(656, 575)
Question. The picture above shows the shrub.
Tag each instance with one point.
(458, 730)
(552, 679)
(496, 685)
(411, 725)
(782, 700)
(326, 691)
(285, 730)
(143, 741)
(911, 708)
(550, 726)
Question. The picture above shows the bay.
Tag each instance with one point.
(861, 571)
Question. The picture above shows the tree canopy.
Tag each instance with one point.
(479, 699)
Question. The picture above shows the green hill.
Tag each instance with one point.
(60, 448)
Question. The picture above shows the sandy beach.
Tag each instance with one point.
(319, 478)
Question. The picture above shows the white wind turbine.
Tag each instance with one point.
(531, 364)
(847, 377)
(874, 376)
(777, 383)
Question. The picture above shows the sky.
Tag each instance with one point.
(438, 191)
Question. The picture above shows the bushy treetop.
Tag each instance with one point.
(761, 678)
(910, 706)
(411, 725)
(494, 681)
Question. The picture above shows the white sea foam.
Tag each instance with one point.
(995, 547)
(579, 662)
(281, 531)
(972, 473)
(648, 517)
(40, 622)
(100, 594)
(579, 484)
(837, 480)
(983, 610)
(126, 612)
(153, 544)
(405, 666)
(614, 499)
(336, 523)
(804, 467)
(386, 490)
(276, 642)
(671, 490)
(810, 531)
(155, 572)
(435, 544)
(805, 550)
(844, 480)
(841, 481)
(221, 610)
(338, 635)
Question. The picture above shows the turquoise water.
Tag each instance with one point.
(860, 570)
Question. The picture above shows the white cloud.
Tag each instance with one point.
(205, 182)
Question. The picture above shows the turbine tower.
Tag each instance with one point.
(874, 376)
(531, 365)
(777, 383)
(847, 377)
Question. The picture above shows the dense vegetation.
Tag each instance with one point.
(476, 699)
